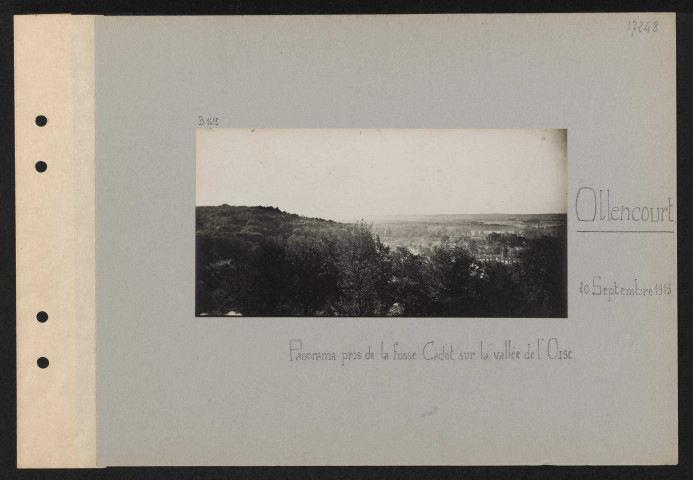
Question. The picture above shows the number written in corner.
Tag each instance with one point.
(208, 121)
(643, 26)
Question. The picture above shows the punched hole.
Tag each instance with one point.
(42, 317)
(42, 362)
(41, 167)
(41, 121)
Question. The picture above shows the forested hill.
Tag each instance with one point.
(254, 223)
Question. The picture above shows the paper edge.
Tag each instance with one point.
(55, 222)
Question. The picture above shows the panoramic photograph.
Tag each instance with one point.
(381, 223)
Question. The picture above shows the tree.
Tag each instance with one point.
(270, 280)
(411, 283)
(544, 269)
(455, 279)
(314, 275)
(360, 261)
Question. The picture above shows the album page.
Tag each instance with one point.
(347, 240)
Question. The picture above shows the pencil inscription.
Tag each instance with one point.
(592, 205)
(434, 351)
(642, 26)
(634, 288)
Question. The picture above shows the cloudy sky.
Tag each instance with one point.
(347, 173)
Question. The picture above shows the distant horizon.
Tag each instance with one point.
(342, 218)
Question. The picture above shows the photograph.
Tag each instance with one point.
(381, 223)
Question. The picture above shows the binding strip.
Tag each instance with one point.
(54, 165)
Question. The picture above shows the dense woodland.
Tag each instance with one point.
(260, 261)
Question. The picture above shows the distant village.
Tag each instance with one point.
(498, 241)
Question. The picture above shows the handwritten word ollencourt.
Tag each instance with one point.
(435, 351)
(595, 206)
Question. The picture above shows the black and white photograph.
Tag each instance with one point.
(381, 223)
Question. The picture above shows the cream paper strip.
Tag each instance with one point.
(54, 77)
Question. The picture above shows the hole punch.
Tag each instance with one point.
(42, 316)
(41, 167)
(42, 362)
(41, 121)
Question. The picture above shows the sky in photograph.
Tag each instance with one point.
(348, 173)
